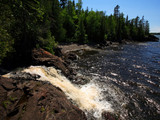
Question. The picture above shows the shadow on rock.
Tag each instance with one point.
(35, 100)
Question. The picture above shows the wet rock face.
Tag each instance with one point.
(110, 116)
(23, 76)
(151, 38)
(42, 57)
(71, 56)
(35, 100)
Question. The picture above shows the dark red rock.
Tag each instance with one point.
(35, 100)
(42, 57)
(110, 116)
(71, 56)
(151, 38)
(58, 51)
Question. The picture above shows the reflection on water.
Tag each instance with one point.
(132, 73)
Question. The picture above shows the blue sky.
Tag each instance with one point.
(150, 9)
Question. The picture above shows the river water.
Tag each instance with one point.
(122, 79)
(129, 76)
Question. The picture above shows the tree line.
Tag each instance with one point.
(28, 24)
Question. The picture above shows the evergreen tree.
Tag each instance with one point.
(137, 22)
(28, 14)
(25, 25)
(56, 18)
(70, 21)
(6, 22)
(147, 28)
(93, 26)
(63, 3)
(81, 35)
(79, 7)
(111, 28)
(116, 11)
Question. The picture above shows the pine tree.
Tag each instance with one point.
(81, 32)
(147, 28)
(116, 11)
(6, 21)
(57, 21)
(63, 3)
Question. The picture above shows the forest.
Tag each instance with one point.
(28, 24)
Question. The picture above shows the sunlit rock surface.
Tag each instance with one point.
(35, 100)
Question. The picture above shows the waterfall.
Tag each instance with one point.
(87, 97)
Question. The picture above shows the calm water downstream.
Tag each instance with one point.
(130, 78)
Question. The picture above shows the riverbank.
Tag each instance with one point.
(22, 89)
(28, 99)
(134, 69)
(41, 57)
(66, 48)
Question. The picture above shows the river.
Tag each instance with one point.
(122, 79)
(129, 77)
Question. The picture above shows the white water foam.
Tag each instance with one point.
(87, 97)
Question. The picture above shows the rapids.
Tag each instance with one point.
(130, 74)
(87, 97)
(124, 79)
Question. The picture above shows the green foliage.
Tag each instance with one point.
(26, 24)
(12, 99)
(42, 109)
(47, 43)
(146, 28)
(56, 20)
(6, 104)
(6, 40)
(80, 34)
(63, 3)
(111, 28)
(93, 26)
(70, 22)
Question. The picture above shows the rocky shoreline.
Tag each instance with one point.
(24, 98)
(35, 100)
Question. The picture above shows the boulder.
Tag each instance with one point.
(70, 56)
(58, 51)
(152, 38)
(110, 116)
(42, 57)
(35, 100)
